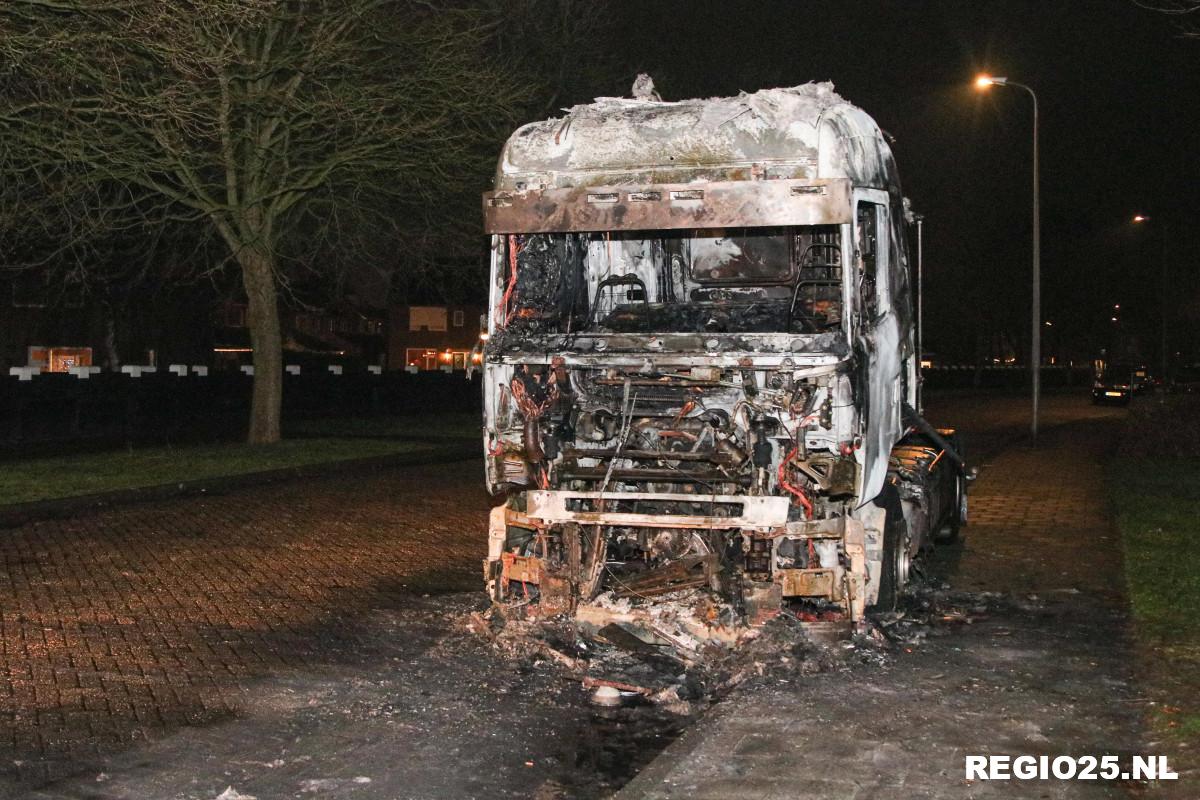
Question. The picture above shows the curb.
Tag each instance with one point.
(17, 514)
(651, 781)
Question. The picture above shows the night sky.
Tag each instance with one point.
(1119, 95)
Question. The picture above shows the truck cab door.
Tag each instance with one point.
(876, 338)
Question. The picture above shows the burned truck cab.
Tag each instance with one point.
(698, 358)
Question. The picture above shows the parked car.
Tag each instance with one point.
(1115, 384)
(1142, 382)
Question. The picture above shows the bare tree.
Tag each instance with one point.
(1186, 13)
(260, 120)
(564, 46)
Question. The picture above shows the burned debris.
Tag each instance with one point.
(701, 393)
(689, 649)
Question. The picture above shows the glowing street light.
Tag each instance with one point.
(983, 83)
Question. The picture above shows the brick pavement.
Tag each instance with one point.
(125, 625)
(276, 624)
(1046, 670)
(1040, 519)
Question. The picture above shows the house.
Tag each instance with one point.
(339, 333)
(53, 324)
(434, 337)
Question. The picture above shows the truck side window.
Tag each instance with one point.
(899, 288)
(868, 258)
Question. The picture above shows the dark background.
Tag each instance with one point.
(1118, 90)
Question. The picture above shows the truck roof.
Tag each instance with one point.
(805, 131)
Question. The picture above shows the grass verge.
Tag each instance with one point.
(1157, 501)
(432, 426)
(71, 476)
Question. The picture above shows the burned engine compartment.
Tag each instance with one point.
(634, 483)
(677, 411)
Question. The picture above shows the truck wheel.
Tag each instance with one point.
(949, 533)
(893, 572)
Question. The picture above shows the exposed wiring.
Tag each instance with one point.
(624, 585)
(796, 491)
(628, 406)
(529, 409)
(505, 310)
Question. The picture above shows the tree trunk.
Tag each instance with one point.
(110, 339)
(258, 277)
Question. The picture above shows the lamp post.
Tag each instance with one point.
(1165, 233)
(984, 82)
(920, 220)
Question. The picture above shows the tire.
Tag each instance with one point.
(950, 532)
(893, 570)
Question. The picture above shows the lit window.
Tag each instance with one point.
(430, 318)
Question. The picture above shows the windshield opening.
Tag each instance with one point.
(727, 280)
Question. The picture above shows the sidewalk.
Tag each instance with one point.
(1049, 673)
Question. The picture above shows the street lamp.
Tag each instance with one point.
(1164, 232)
(983, 83)
(920, 220)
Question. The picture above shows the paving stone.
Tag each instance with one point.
(126, 624)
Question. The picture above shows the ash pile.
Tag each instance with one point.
(679, 653)
(688, 648)
(931, 610)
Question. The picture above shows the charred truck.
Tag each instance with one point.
(699, 369)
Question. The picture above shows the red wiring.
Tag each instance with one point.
(528, 408)
(504, 310)
(801, 498)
